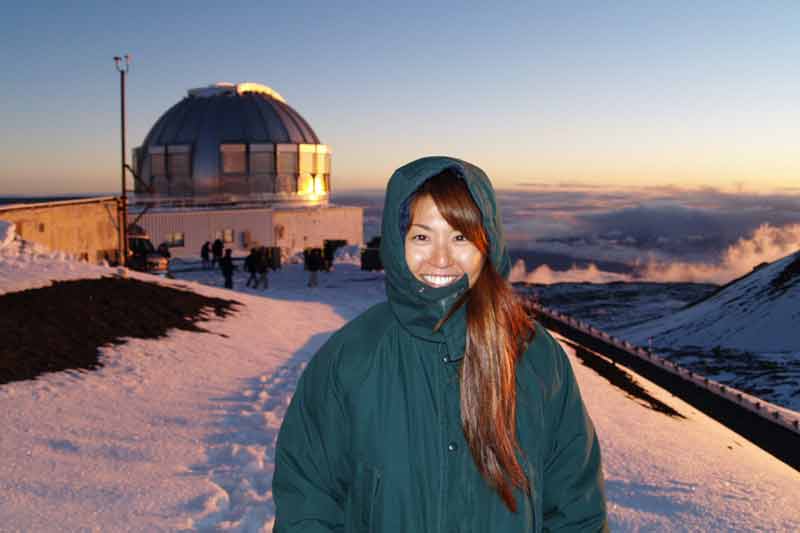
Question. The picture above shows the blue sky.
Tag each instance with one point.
(612, 94)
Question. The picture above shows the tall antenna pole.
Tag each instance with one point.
(123, 65)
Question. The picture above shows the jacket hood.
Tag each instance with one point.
(417, 306)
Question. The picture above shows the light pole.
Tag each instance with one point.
(123, 65)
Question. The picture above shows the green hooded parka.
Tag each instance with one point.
(372, 440)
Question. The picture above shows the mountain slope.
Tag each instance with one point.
(758, 313)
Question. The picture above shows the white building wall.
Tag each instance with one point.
(297, 229)
(293, 229)
(249, 228)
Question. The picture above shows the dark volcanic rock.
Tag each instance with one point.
(789, 275)
(62, 326)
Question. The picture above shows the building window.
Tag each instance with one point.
(175, 239)
(234, 158)
(305, 184)
(158, 164)
(287, 159)
(262, 159)
(135, 154)
(179, 161)
(286, 183)
(323, 161)
(307, 158)
(225, 235)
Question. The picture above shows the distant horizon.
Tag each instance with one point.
(661, 234)
(789, 191)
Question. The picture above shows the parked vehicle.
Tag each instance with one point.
(142, 255)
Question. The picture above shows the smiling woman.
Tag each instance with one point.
(445, 408)
(444, 243)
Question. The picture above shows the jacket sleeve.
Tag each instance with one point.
(573, 498)
(309, 483)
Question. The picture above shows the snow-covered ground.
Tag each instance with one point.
(758, 313)
(179, 433)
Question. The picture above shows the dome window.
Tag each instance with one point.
(262, 159)
(287, 168)
(158, 164)
(322, 160)
(179, 160)
(234, 158)
(158, 170)
(262, 168)
(307, 152)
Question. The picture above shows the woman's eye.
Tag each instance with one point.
(460, 238)
(419, 237)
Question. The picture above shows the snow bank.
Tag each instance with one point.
(7, 233)
(27, 265)
(350, 255)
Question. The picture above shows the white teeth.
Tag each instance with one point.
(439, 281)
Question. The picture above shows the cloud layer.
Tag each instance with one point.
(766, 244)
(662, 234)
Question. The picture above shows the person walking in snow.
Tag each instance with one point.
(445, 408)
(216, 252)
(262, 268)
(205, 254)
(227, 267)
(250, 266)
(314, 263)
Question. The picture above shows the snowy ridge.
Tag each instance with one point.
(757, 313)
(775, 414)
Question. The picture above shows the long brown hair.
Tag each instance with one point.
(497, 328)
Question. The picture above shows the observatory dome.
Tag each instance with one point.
(231, 143)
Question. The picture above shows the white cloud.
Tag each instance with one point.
(545, 275)
(766, 244)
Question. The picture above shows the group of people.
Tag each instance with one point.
(257, 264)
(211, 254)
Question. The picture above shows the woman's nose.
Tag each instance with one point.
(441, 256)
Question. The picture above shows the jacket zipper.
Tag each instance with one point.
(376, 485)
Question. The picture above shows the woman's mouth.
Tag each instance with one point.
(438, 280)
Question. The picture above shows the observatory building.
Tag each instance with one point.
(235, 162)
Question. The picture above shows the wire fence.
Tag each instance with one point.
(775, 414)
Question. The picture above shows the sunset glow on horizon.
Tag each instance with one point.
(584, 94)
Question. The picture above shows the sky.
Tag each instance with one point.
(602, 94)
(178, 432)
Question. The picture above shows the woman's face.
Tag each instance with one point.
(437, 254)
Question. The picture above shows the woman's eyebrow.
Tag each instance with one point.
(423, 226)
